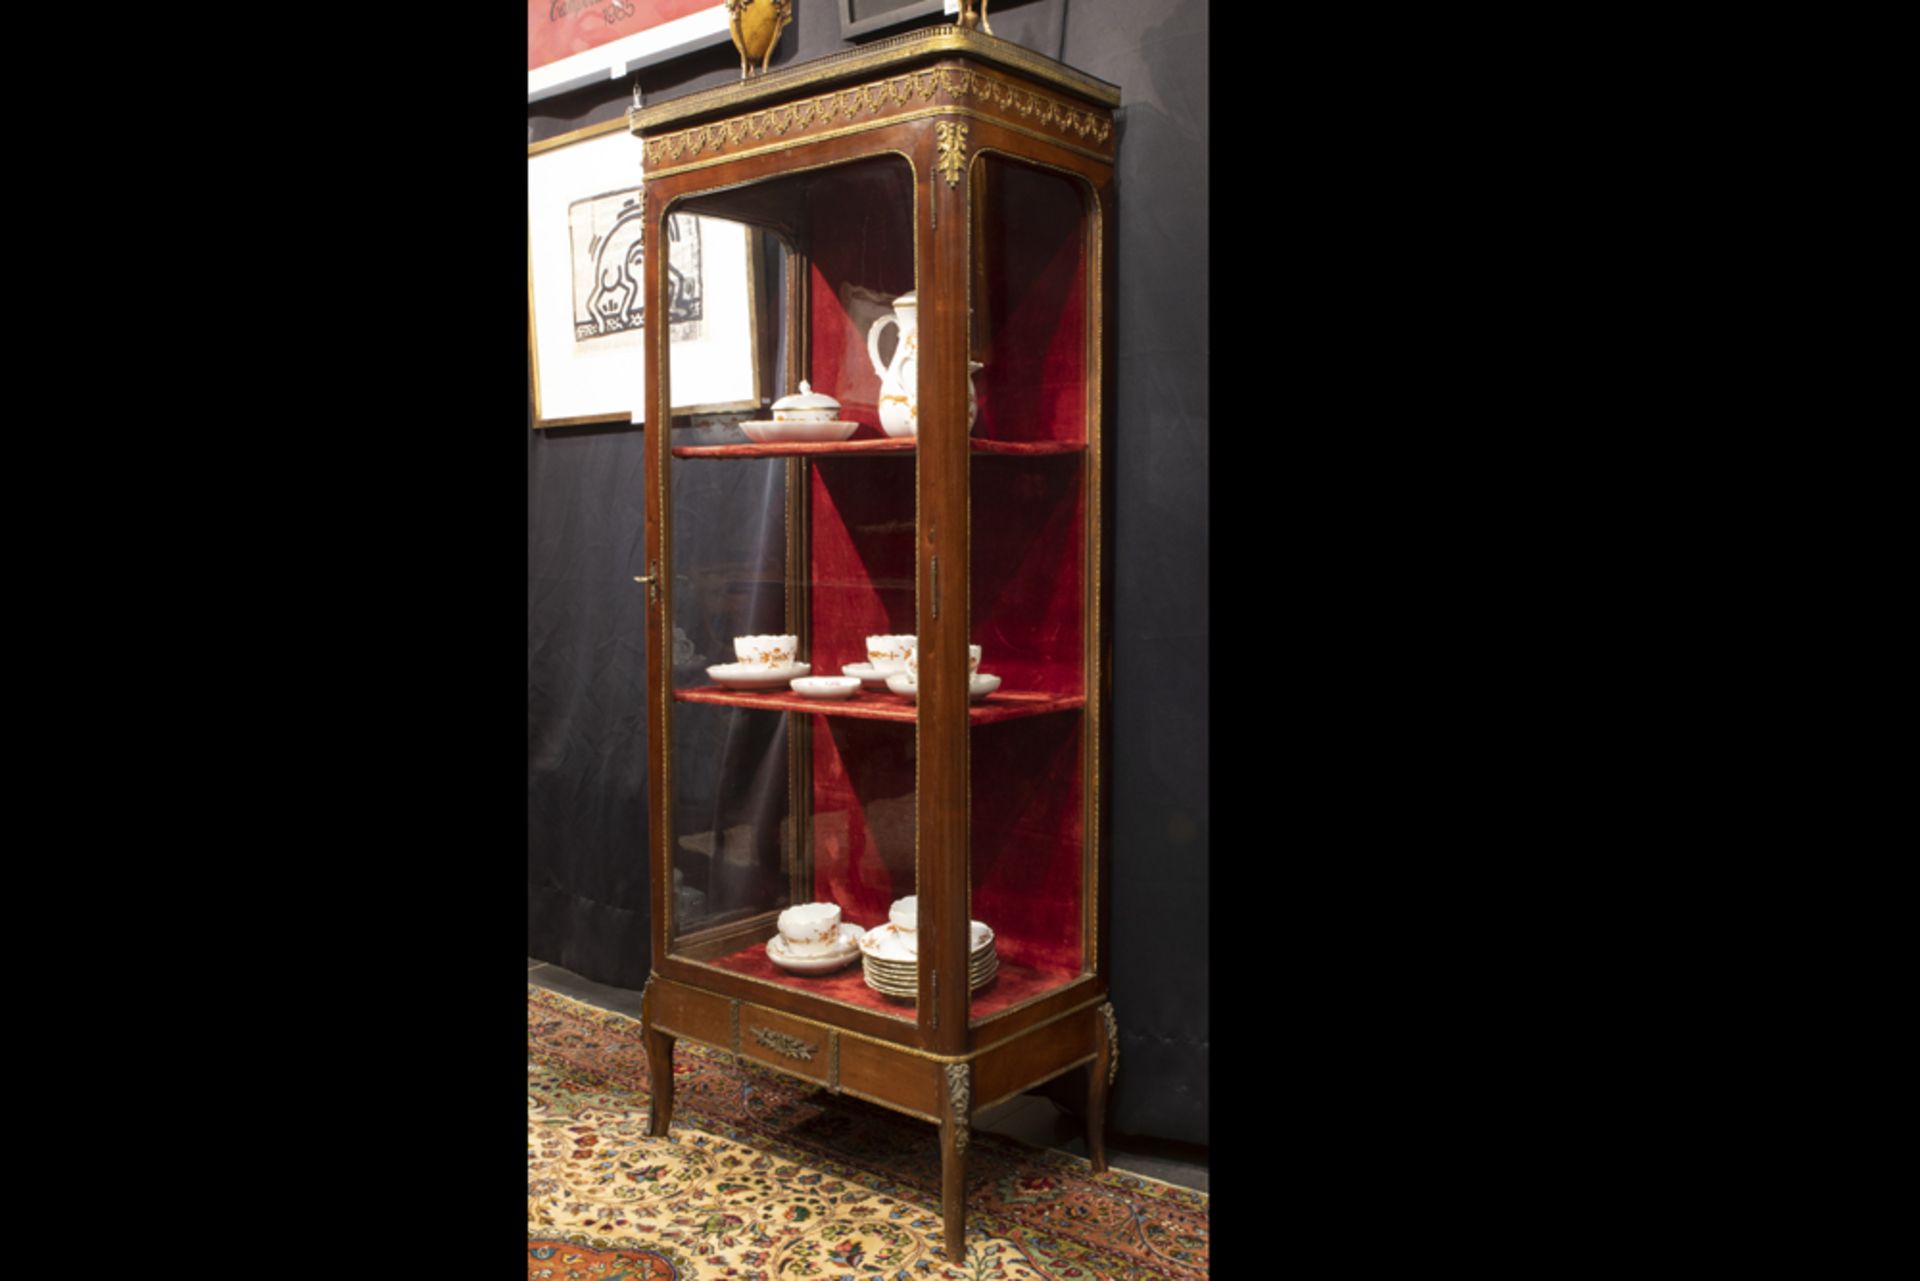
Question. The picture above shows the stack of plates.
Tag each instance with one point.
(892, 964)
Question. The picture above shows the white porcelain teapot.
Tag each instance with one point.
(900, 381)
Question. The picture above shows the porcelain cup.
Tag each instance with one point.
(913, 662)
(889, 653)
(770, 652)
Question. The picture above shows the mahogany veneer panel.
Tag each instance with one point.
(890, 1076)
(687, 1012)
(1014, 1065)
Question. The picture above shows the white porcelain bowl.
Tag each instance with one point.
(827, 686)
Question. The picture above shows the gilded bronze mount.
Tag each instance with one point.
(875, 102)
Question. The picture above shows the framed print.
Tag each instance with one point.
(571, 43)
(864, 17)
(585, 299)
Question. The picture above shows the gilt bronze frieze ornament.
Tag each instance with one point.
(772, 128)
(756, 26)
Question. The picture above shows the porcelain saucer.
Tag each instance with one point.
(868, 673)
(982, 685)
(851, 937)
(791, 432)
(744, 676)
(826, 686)
(889, 944)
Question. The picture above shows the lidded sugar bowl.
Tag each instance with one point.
(806, 406)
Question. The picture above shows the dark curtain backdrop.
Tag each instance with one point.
(587, 822)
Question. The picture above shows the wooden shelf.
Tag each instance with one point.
(1014, 984)
(859, 448)
(884, 706)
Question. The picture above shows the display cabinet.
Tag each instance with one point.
(930, 225)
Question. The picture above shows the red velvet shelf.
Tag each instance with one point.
(873, 705)
(855, 448)
(1012, 984)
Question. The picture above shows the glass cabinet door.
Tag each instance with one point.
(1031, 588)
(790, 553)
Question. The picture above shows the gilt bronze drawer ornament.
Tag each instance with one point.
(780, 1043)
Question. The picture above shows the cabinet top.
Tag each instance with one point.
(894, 54)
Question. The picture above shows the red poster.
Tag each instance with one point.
(559, 29)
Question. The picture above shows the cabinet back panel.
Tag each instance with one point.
(1028, 834)
(860, 246)
(860, 556)
(1028, 581)
(863, 815)
(1031, 300)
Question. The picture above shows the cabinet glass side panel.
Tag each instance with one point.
(1030, 589)
(730, 804)
(790, 560)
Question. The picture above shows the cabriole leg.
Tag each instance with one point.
(1100, 1074)
(659, 1066)
(955, 1127)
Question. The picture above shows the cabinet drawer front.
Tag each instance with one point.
(788, 1044)
(1015, 1065)
(686, 1012)
(893, 1077)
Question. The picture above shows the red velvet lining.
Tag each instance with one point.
(1028, 835)
(1029, 581)
(863, 815)
(861, 556)
(860, 238)
(1032, 243)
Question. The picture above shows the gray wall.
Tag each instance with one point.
(587, 907)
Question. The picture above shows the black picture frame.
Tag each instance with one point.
(865, 17)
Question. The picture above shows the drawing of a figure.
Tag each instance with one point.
(609, 253)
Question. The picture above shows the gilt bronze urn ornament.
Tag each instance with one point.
(756, 26)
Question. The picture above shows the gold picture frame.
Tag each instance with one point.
(585, 336)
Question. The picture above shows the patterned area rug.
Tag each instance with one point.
(765, 1177)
